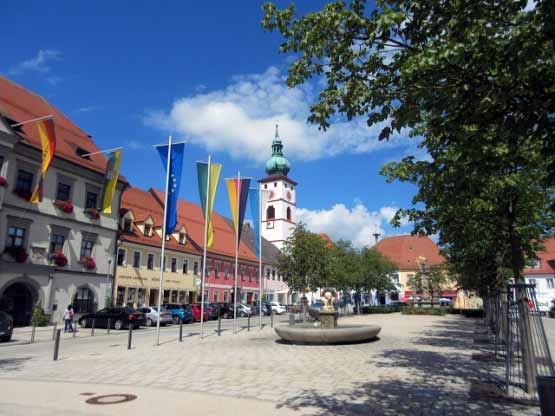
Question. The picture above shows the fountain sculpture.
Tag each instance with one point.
(328, 332)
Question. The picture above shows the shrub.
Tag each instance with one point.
(424, 311)
(39, 317)
(17, 253)
(88, 262)
(381, 309)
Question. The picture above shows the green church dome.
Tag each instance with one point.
(277, 165)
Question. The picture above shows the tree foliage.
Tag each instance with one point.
(475, 81)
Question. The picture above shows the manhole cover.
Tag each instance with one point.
(111, 399)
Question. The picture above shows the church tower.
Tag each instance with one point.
(278, 197)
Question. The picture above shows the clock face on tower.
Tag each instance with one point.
(289, 195)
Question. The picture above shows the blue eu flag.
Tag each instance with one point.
(176, 167)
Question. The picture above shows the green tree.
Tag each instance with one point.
(305, 260)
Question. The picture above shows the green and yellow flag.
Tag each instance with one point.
(208, 184)
(110, 182)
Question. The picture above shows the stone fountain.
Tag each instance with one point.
(328, 332)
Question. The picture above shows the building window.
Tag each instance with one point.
(185, 266)
(195, 268)
(63, 192)
(273, 275)
(164, 263)
(289, 213)
(207, 269)
(181, 238)
(275, 184)
(550, 284)
(87, 246)
(150, 262)
(270, 212)
(268, 274)
(16, 237)
(226, 270)
(128, 225)
(91, 200)
(148, 230)
(532, 281)
(242, 273)
(121, 256)
(265, 186)
(250, 274)
(174, 265)
(24, 182)
(225, 297)
(83, 302)
(216, 293)
(56, 243)
(216, 269)
(136, 259)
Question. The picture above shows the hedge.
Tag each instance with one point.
(424, 311)
(381, 309)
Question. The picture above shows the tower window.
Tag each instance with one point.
(289, 213)
(265, 186)
(275, 184)
(270, 213)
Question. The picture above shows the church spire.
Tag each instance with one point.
(277, 165)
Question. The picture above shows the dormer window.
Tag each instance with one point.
(128, 225)
(148, 230)
(182, 238)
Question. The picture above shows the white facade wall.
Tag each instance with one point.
(55, 287)
(545, 289)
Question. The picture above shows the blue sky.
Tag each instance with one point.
(130, 74)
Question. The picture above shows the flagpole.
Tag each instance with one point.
(206, 219)
(102, 151)
(238, 191)
(163, 252)
(32, 120)
(260, 252)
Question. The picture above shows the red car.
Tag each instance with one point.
(196, 312)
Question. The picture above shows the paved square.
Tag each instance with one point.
(421, 365)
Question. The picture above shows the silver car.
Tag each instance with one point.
(151, 313)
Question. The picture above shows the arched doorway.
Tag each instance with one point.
(83, 301)
(18, 300)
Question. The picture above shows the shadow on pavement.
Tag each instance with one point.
(12, 364)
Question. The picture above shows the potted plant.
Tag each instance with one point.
(18, 254)
(93, 213)
(3, 181)
(66, 206)
(60, 259)
(88, 262)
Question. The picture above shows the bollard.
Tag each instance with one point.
(57, 344)
(272, 320)
(33, 333)
(73, 329)
(109, 326)
(130, 338)
(249, 323)
(54, 331)
(219, 324)
(92, 328)
(291, 319)
(181, 330)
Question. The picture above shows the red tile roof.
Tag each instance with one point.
(149, 203)
(403, 250)
(326, 238)
(20, 104)
(547, 259)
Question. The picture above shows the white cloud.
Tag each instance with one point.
(356, 224)
(39, 63)
(240, 120)
(134, 144)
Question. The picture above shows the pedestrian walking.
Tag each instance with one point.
(68, 319)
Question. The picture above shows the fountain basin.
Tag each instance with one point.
(309, 334)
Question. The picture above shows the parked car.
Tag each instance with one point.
(277, 308)
(266, 308)
(151, 313)
(243, 310)
(179, 312)
(196, 312)
(226, 310)
(215, 311)
(119, 318)
(6, 327)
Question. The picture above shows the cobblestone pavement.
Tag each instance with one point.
(421, 365)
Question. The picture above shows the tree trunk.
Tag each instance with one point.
(528, 362)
